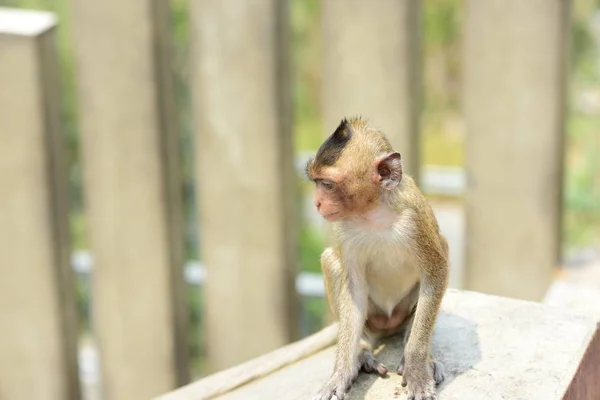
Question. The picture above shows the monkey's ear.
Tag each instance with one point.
(389, 170)
(308, 166)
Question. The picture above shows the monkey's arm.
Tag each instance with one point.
(434, 280)
(347, 290)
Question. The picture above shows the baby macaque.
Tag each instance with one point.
(387, 271)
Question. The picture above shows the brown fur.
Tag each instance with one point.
(388, 269)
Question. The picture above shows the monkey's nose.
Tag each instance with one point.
(318, 205)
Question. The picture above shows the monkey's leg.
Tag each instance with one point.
(436, 367)
(347, 295)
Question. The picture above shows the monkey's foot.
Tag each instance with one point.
(437, 370)
(370, 364)
(336, 387)
(421, 382)
(421, 391)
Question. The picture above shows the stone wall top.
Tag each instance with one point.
(491, 347)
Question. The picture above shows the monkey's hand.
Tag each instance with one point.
(421, 379)
(337, 386)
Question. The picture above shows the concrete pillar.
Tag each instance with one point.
(515, 58)
(372, 68)
(132, 193)
(246, 176)
(38, 332)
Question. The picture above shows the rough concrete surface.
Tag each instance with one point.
(492, 348)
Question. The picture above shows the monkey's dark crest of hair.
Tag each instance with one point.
(332, 148)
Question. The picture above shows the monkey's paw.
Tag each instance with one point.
(370, 364)
(437, 370)
(336, 387)
(421, 391)
(422, 382)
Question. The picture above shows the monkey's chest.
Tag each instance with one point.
(384, 245)
(391, 274)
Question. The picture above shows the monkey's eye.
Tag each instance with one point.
(328, 185)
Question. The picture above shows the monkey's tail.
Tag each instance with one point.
(232, 378)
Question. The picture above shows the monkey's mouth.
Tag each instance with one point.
(331, 216)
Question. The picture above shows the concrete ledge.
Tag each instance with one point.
(492, 348)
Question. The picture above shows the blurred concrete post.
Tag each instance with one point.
(38, 328)
(246, 176)
(515, 71)
(132, 188)
(372, 68)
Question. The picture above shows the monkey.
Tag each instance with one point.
(387, 269)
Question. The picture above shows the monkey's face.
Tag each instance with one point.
(328, 197)
(353, 190)
(338, 195)
(351, 169)
(327, 203)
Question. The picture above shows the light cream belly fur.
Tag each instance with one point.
(391, 278)
(382, 243)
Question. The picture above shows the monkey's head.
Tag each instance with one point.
(352, 169)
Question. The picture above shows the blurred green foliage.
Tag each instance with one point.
(305, 21)
(582, 185)
(582, 176)
(311, 242)
(196, 343)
